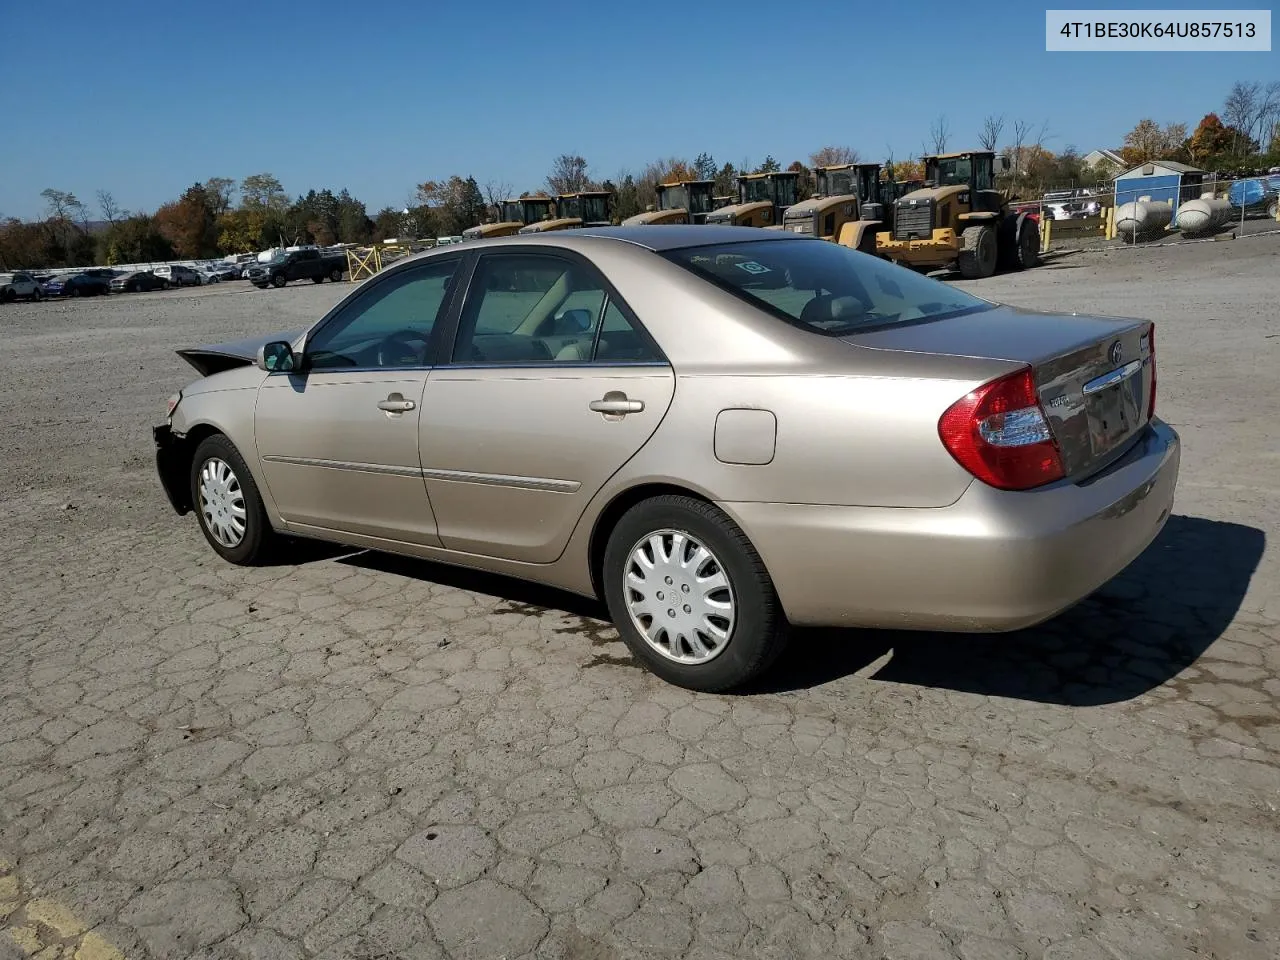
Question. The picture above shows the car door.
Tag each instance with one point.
(551, 385)
(338, 440)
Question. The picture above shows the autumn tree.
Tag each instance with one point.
(832, 156)
(1149, 141)
(241, 231)
(263, 191)
(134, 239)
(66, 214)
(568, 174)
(220, 191)
(189, 224)
(457, 203)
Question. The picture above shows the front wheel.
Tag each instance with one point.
(1274, 209)
(278, 281)
(690, 596)
(73, 292)
(335, 274)
(1027, 254)
(978, 252)
(228, 505)
(37, 295)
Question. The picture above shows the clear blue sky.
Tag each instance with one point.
(143, 98)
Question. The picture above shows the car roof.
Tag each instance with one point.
(657, 238)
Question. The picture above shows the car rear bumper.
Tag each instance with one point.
(992, 561)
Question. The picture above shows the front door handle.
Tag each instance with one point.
(396, 403)
(616, 402)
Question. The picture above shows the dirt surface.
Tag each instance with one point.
(359, 756)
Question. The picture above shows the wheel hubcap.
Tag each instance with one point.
(222, 502)
(679, 597)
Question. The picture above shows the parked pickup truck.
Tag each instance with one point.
(298, 265)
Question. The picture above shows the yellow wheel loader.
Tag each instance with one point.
(848, 206)
(685, 201)
(588, 208)
(958, 219)
(762, 200)
(511, 216)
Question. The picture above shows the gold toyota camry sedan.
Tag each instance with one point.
(722, 432)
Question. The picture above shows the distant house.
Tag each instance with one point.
(1109, 160)
(1165, 180)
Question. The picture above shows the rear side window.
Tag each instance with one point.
(824, 287)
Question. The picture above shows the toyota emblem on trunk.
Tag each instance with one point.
(1116, 352)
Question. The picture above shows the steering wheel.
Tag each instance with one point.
(396, 347)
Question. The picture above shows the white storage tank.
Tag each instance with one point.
(1204, 215)
(1142, 219)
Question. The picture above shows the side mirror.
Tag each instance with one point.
(276, 357)
(575, 321)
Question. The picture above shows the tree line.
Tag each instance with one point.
(222, 216)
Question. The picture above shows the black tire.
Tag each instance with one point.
(760, 629)
(8, 296)
(259, 540)
(335, 274)
(1027, 251)
(73, 292)
(1272, 209)
(164, 285)
(278, 281)
(38, 295)
(978, 252)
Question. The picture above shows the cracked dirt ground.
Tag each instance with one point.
(365, 757)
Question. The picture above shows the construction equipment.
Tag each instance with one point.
(587, 208)
(723, 200)
(512, 215)
(959, 218)
(762, 199)
(848, 206)
(685, 201)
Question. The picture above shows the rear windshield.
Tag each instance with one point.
(823, 286)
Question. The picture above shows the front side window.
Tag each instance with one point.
(390, 326)
(824, 287)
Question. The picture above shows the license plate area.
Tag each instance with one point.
(1115, 412)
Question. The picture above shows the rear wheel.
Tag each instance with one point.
(278, 280)
(228, 505)
(690, 596)
(978, 252)
(335, 274)
(1028, 248)
(1273, 209)
(37, 295)
(73, 292)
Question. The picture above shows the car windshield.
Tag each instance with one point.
(825, 287)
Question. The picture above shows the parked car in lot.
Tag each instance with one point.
(178, 275)
(223, 270)
(138, 281)
(76, 285)
(19, 285)
(305, 264)
(720, 431)
(1256, 197)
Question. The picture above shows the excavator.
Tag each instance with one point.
(512, 215)
(587, 208)
(848, 206)
(959, 218)
(762, 200)
(684, 201)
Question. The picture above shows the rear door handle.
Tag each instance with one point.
(396, 404)
(617, 403)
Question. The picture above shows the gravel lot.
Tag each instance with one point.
(365, 757)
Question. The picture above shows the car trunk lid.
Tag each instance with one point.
(1095, 375)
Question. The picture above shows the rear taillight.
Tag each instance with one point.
(1151, 356)
(999, 433)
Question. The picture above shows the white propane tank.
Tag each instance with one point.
(1141, 219)
(1201, 216)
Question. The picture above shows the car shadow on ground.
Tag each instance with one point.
(1137, 632)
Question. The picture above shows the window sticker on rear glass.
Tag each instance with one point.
(752, 267)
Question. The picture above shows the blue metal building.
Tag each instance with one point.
(1165, 180)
